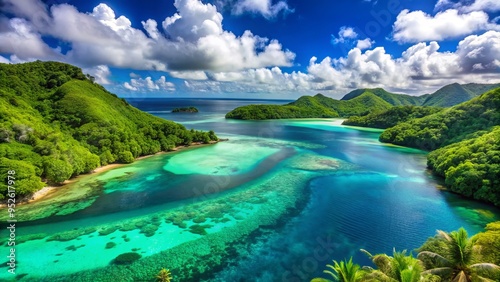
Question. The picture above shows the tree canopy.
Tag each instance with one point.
(56, 123)
(318, 106)
(391, 117)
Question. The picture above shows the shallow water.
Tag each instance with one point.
(276, 202)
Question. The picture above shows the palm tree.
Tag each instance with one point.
(343, 271)
(455, 260)
(398, 268)
(164, 275)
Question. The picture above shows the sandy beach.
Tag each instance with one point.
(48, 190)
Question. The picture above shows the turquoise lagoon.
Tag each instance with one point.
(276, 202)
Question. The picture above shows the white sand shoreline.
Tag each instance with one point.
(50, 189)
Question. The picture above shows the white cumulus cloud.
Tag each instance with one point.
(149, 85)
(468, 6)
(346, 33)
(190, 40)
(417, 26)
(364, 44)
(101, 74)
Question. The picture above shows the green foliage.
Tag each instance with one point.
(57, 170)
(56, 124)
(318, 106)
(26, 180)
(261, 112)
(185, 110)
(391, 117)
(400, 267)
(361, 102)
(457, 258)
(345, 271)
(125, 157)
(489, 244)
(391, 98)
(455, 94)
(466, 138)
(450, 256)
(451, 125)
(164, 275)
(471, 167)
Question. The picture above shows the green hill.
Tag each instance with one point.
(55, 123)
(447, 96)
(391, 117)
(471, 167)
(391, 98)
(465, 138)
(455, 93)
(360, 102)
(318, 106)
(451, 125)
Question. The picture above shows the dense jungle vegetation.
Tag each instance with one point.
(56, 123)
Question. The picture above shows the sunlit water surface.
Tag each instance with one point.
(276, 202)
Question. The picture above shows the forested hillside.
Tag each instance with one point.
(471, 167)
(454, 94)
(447, 96)
(451, 125)
(318, 106)
(466, 140)
(391, 98)
(391, 117)
(361, 102)
(55, 123)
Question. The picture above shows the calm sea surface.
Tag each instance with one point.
(276, 202)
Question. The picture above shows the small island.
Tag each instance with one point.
(185, 110)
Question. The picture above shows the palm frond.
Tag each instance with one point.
(367, 268)
(383, 262)
(366, 253)
(331, 274)
(461, 277)
(437, 257)
(377, 275)
(444, 235)
(491, 267)
(410, 275)
(440, 271)
(319, 279)
(484, 279)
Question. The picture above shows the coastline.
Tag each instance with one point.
(50, 189)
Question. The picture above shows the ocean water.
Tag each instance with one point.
(276, 202)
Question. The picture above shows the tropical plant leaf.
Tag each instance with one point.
(441, 271)
(442, 261)
(444, 235)
(490, 267)
(461, 277)
(330, 273)
(484, 279)
(319, 279)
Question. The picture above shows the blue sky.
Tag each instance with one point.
(259, 48)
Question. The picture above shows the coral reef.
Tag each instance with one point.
(127, 258)
(110, 245)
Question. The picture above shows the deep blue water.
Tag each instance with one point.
(382, 198)
(393, 203)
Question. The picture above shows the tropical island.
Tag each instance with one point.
(459, 136)
(359, 102)
(56, 123)
(108, 173)
(185, 110)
